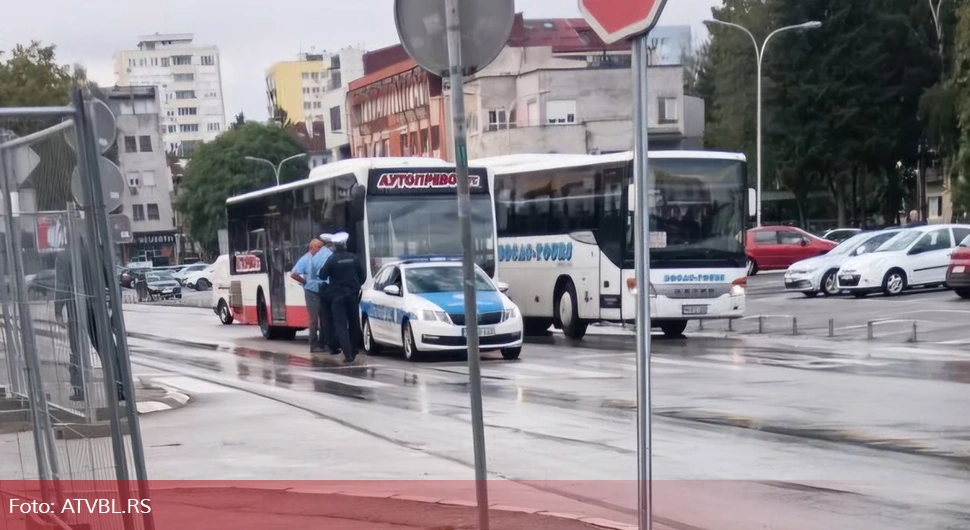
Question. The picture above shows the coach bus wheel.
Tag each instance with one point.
(225, 315)
(674, 328)
(568, 313)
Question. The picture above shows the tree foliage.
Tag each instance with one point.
(219, 170)
(959, 84)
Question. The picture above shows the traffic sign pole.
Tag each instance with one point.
(453, 27)
(643, 186)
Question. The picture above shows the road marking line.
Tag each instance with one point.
(346, 380)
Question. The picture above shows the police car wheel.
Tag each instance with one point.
(411, 352)
(511, 354)
(371, 347)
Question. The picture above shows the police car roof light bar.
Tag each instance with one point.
(405, 260)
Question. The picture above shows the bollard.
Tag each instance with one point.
(730, 324)
(914, 332)
(831, 327)
(700, 325)
(794, 326)
(761, 324)
(870, 330)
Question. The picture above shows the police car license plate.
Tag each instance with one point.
(166, 291)
(695, 310)
(482, 332)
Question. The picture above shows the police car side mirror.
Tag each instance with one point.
(502, 287)
(392, 290)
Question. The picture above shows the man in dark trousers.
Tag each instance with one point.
(346, 275)
(326, 301)
(64, 298)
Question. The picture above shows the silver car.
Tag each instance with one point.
(814, 276)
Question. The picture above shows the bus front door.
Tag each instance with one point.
(276, 268)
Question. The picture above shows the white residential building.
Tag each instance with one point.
(189, 81)
(344, 67)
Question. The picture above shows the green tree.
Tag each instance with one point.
(219, 170)
(960, 85)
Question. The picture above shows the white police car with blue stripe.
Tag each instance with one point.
(419, 305)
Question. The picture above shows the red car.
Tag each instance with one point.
(772, 248)
(958, 275)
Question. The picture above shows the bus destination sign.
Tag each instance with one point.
(424, 181)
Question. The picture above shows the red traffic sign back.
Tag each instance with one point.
(614, 20)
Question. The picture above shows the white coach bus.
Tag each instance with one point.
(565, 228)
(392, 208)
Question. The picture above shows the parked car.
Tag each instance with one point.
(914, 257)
(220, 290)
(158, 284)
(814, 276)
(188, 270)
(200, 280)
(958, 273)
(841, 234)
(418, 305)
(778, 247)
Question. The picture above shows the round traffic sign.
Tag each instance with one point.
(485, 29)
(104, 124)
(112, 185)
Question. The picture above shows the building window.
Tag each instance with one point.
(668, 110)
(133, 180)
(306, 105)
(141, 62)
(137, 212)
(335, 80)
(188, 111)
(935, 207)
(188, 148)
(189, 127)
(145, 143)
(561, 112)
(306, 75)
(316, 90)
(497, 120)
(165, 61)
(181, 60)
(131, 62)
(424, 141)
(153, 212)
(148, 178)
(315, 76)
(172, 128)
(306, 90)
(214, 127)
(185, 94)
(335, 124)
(435, 138)
(208, 60)
(131, 144)
(317, 104)
(179, 78)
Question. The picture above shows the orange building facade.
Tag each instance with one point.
(397, 111)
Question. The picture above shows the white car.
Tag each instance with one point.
(914, 257)
(418, 305)
(221, 281)
(189, 270)
(816, 275)
(200, 280)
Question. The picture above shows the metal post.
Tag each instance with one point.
(453, 24)
(794, 326)
(758, 198)
(642, 185)
(730, 324)
(914, 332)
(99, 237)
(831, 327)
(761, 324)
(870, 330)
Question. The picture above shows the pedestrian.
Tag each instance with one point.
(326, 300)
(66, 286)
(914, 219)
(306, 272)
(346, 275)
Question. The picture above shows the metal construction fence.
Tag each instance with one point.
(67, 405)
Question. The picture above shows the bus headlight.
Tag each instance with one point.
(739, 286)
(631, 285)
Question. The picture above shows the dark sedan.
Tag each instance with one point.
(158, 285)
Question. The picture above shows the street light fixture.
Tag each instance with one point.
(276, 167)
(759, 54)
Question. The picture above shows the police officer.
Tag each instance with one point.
(329, 337)
(346, 275)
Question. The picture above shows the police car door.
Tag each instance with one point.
(394, 308)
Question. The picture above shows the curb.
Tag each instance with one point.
(171, 400)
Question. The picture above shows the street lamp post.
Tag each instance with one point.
(276, 167)
(759, 54)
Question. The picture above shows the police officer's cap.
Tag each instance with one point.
(341, 238)
(326, 238)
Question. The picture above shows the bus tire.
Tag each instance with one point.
(270, 332)
(537, 327)
(225, 315)
(673, 329)
(567, 312)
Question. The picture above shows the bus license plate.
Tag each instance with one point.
(695, 310)
(482, 332)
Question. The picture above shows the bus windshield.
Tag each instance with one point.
(427, 225)
(696, 214)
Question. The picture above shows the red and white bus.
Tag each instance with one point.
(391, 207)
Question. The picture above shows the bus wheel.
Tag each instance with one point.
(674, 328)
(568, 313)
(263, 318)
(225, 315)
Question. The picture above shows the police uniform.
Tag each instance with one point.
(329, 337)
(345, 274)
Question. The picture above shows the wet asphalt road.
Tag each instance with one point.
(751, 431)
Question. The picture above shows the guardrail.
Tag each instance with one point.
(872, 323)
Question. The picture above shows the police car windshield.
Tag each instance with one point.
(425, 280)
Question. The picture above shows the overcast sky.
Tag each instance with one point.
(251, 34)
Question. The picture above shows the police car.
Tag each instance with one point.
(418, 305)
